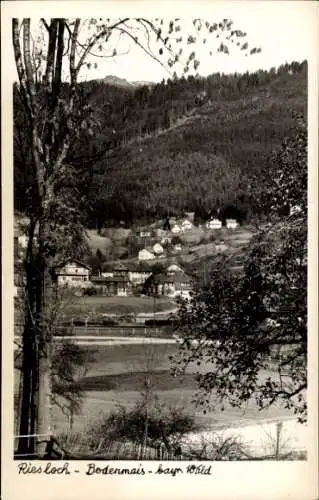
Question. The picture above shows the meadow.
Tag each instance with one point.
(117, 305)
(116, 377)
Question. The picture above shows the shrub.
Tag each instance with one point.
(219, 447)
(158, 422)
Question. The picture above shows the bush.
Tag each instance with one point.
(162, 424)
(108, 322)
(219, 447)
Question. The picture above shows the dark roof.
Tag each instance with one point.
(76, 262)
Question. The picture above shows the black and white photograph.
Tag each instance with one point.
(160, 236)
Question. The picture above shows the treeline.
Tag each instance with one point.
(184, 144)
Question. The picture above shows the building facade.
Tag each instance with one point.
(73, 274)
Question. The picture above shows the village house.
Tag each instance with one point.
(176, 229)
(145, 255)
(118, 284)
(109, 286)
(145, 233)
(186, 225)
(214, 224)
(175, 285)
(73, 274)
(158, 249)
(173, 269)
(231, 223)
(137, 275)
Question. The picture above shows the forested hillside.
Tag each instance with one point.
(188, 144)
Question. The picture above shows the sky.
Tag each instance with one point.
(282, 36)
(283, 30)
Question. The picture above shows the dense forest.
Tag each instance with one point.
(199, 144)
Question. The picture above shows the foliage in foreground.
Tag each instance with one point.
(240, 323)
(150, 424)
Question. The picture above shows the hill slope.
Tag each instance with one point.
(205, 158)
(190, 144)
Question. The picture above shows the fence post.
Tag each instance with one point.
(278, 434)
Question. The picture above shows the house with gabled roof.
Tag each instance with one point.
(145, 255)
(186, 225)
(158, 249)
(231, 223)
(73, 273)
(175, 285)
(214, 224)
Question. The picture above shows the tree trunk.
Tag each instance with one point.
(44, 344)
(26, 427)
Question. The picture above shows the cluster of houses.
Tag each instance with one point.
(174, 228)
(122, 280)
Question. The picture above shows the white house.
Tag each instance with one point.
(138, 276)
(187, 225)
(177, 285)
(144, 233)
(214, 224)
(145, 255)
(231, 224)
(73, 274)
(107, 274)
(176, 229)
(173, 269)
(158, 249)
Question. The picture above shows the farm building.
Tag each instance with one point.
(177, 285)
(73, 273)
(214, 224)
(231, 223)
(158, 249)
(145, 255)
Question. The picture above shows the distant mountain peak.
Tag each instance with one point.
(121, 82)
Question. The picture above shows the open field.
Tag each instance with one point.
(116, 378)
(117, 305)
(81, 307)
